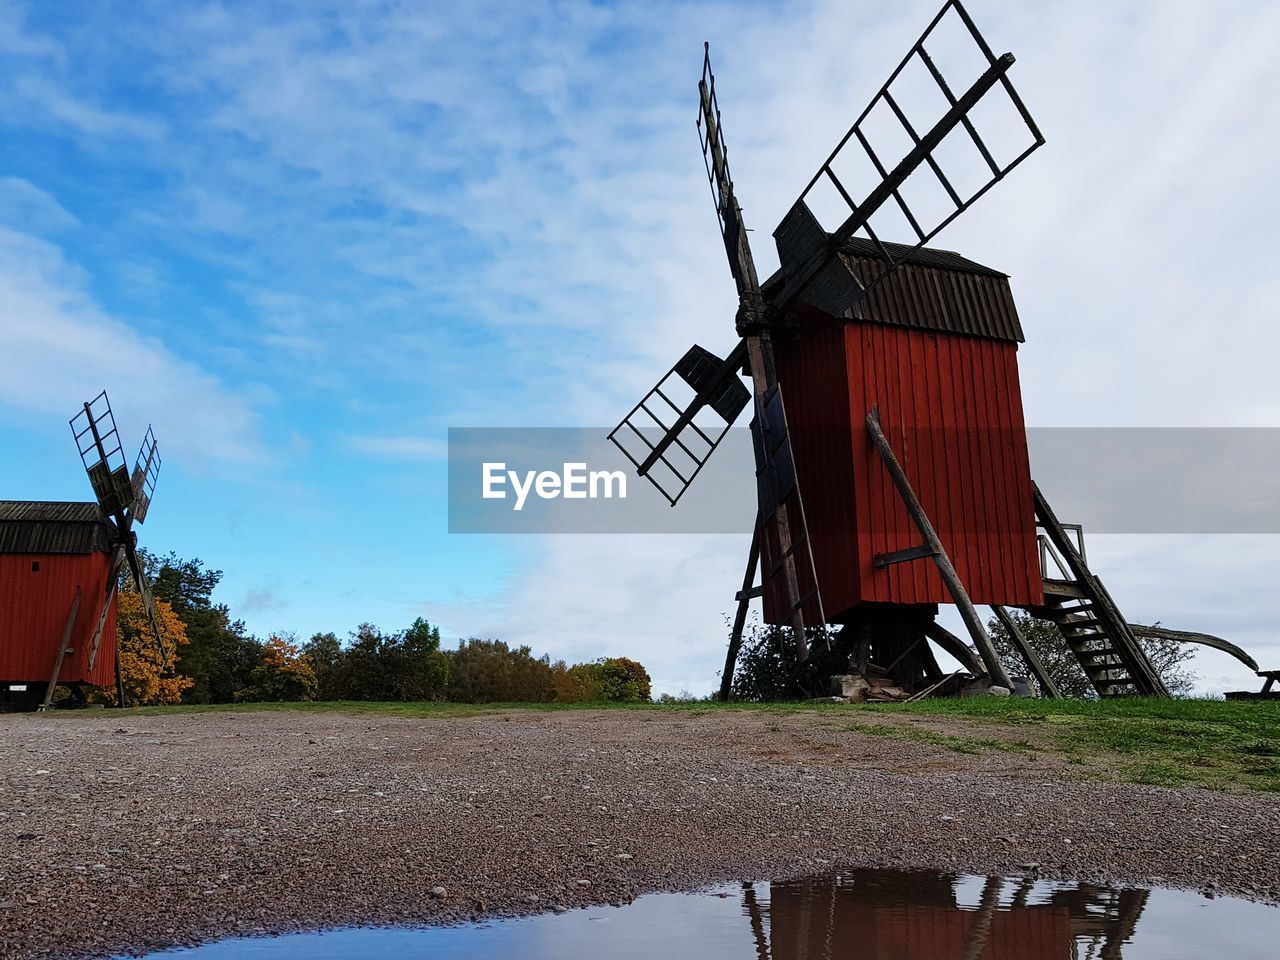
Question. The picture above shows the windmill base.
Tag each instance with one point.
(882, 653)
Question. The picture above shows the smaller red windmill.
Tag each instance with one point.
(60, 566)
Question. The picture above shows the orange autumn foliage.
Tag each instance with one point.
(140, 661)
(285, 673)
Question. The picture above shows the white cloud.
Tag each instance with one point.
(61, 348)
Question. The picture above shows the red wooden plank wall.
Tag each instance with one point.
(952, 410)
(897, 931)
(33, 613)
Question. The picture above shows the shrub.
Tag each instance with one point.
(762, 673)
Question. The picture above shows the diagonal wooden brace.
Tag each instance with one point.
(986, 650)
(740, 618)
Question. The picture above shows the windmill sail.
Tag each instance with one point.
(667, 436)
(715, 156)
(915, 156)
(122, 496)
(778, 491)
(98, 443)
(146, 469)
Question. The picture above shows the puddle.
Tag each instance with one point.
(868, 915)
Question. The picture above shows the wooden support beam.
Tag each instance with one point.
(980, 929)
(740, 618)
(922, 552)
(1047, 687)
(959, 651)
(1191, 636)
(119, 681)
(994, 668)
(109, 591)
(932, 687)
(62, 651)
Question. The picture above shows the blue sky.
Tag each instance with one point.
(304, 240)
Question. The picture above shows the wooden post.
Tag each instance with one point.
(990, 659)
(1047, 687)
(980, 930)
(109, 591)
(119, 681)
(62, 650)
(740, 618)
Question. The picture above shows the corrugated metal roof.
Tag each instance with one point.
(43, 526)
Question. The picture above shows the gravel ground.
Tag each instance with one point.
(125, 833)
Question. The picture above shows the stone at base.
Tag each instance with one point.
(850, 686)
(983, 687)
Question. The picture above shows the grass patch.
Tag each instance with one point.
(1218, 744)
(946, 741)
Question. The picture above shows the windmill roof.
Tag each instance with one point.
(923, 256)
(933, 289)
(52, 526)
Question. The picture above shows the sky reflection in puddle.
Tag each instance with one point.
(867, 914)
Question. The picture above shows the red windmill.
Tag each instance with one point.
(903, 419)
(60, 564)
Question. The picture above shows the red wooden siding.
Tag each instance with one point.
(802, 928)
(952, 410)
(33, 613)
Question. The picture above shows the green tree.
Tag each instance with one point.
(417, 669)
(324, 651)
(220, 656)
(577, 684)
(623, 680)
(363, 670)
(489, 671)
(408, 665)
(1170, 658)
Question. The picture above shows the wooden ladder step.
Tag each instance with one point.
(1104, 652)
(1077, 641)
(1079, 624)
(1099, 673)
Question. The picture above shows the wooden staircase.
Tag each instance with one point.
(1088, 619)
